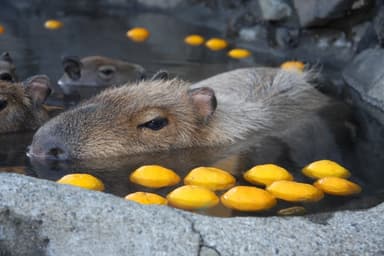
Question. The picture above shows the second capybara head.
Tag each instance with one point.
(97, 71)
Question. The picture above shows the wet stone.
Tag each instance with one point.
(365, 73)
(314, 12)
(274, 10)
(364, 36)
(253, 33)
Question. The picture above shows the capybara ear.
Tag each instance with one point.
(160, 75)
(72, 67)
(204, 100)
(6, 57)
(38, 88)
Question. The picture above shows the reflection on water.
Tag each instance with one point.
(37, 50)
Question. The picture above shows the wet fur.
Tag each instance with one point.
(21, 113)
(264, 101)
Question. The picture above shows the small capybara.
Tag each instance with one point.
(97, 71)
(163, 114)
(21, 104)
(7, 68)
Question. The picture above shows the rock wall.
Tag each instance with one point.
(39, 217)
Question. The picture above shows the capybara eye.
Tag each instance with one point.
(6, 77)
(3, 104)
(155, 124)
(106, 72)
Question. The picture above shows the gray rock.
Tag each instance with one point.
(314, 12)
(365, 74)
(161, 4)
(378, 25)
(274, 10)
(46, 218)
(251, 34)
(287, 37)
(65, 220)
(363, 36)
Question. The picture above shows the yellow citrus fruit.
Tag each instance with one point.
(53, 24)
(337, 186)
(138, 34)
(194, 40)
(293, 65)
(216, 44)
(247, 198)
(82, 180)
(239, 53)
(294, 210)
(2, 29)
(210, 177)
(265, 174)
(295, 191)
(146, 198)
(154, 176)
(325, 168)
(191, 197)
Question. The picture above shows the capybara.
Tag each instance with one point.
(97, 71)
(157, 115)
(7, 68)
(21, 104)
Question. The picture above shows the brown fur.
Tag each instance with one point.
(23, 109)
(254, 100)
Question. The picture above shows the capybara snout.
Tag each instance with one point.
(158, 115)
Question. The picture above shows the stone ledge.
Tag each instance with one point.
(70, 221)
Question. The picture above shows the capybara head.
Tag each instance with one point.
(127, 120)
(21, 104)
(97, 71)
(157, 115)
(7, 68)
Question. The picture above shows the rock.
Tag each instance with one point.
(287, 37)
(363, 36)
(53, 219)
(160, 4)
(251, 34)
(365, 74)
(379, 26)
(273, 10)
(314, 12)
(45, 218)
(342, 42)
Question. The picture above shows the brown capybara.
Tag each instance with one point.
(7, 68)
(21, 104)
(157, 115)
(97, 71)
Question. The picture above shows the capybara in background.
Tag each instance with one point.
(21, 104)
(97, 71)
(7, 68)
(157, 115)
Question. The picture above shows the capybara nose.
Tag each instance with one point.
(48, 148)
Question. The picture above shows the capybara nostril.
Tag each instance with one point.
(48, 148)
(3, 104)
(57, 153)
